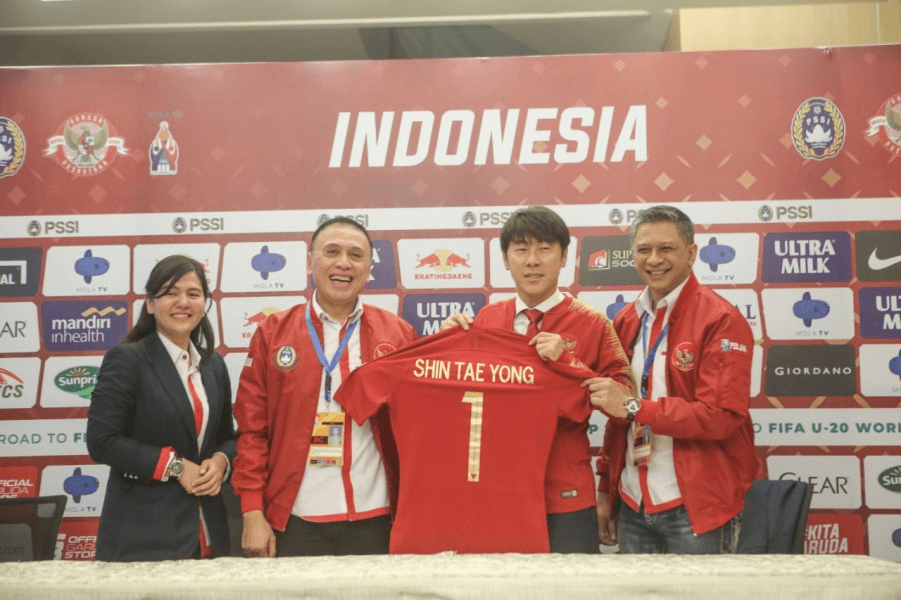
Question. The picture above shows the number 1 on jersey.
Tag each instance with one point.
(475, 432)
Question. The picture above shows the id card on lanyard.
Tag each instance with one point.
(641, 434)
(327, 442)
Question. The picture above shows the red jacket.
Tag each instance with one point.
(276, 407)
(591, 343)
(708, 378)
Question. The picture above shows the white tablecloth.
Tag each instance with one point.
(464, 577)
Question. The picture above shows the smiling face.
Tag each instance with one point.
(340, 261)
(179, 310)
(662, 257)
(535, 267)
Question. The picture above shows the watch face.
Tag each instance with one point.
(176, 468)
(633, 405)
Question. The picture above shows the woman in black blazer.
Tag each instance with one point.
(161, 418)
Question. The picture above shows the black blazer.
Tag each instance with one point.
(138, 406)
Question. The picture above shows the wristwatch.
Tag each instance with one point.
(633, 405)
(175, 469)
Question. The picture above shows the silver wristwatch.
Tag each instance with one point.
(632, 405)
(175, 468)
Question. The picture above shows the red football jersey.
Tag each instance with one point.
(474, 414)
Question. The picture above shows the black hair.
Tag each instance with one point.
(163, 276)
(339, 221)
(664, 214)
(537, 222)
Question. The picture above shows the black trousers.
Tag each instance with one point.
(339, 538)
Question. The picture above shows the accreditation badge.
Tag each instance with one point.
(327, 443)
(641, 449)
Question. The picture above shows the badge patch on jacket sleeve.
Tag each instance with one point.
(383, 349)
(285, 357)
(684, 356)
(726, 345)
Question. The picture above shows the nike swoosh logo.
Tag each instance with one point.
(877, 264)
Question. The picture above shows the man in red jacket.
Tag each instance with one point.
(310, 481)
(680, 456)
(534, 242)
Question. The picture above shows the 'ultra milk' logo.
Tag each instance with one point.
(426, 312)
(880, 313)
(807, 257)
(71, 326)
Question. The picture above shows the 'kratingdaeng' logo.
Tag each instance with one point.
(85, 145)
(441, 262)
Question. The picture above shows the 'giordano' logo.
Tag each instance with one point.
(77, 380)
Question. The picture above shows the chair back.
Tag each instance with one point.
(29, 527)
(774, 520)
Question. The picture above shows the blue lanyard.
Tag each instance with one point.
(649, 354)
(328, 367)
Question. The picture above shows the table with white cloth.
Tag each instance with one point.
(463, 577)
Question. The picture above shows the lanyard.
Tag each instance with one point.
(649, 354)
(328, 367)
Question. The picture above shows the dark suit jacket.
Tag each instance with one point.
(139, 406)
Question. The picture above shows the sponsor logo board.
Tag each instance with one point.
(87, 271)
(882, 475)
(811, 371)
(884, 535)
(880, 312)
(241, 316)
(607, 260)
(69, 381)
(19, 382)
(747, 303)
(264, 267)
(727, 258)
(814, 313)
(43, 437)
(609, 303)
(833, 534)
(835, 480)
(77, 540)
(146, 257)
(384, 273)
(826, 426)
(878, 255)
(83, 485)
(234, 363)
(880, 369)
(19, 328)
(20, 272)
(500, 276)
(18, 482)
(807, 257)
(426, 312)
(442, 263)
(389, 302)
(92, 325)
